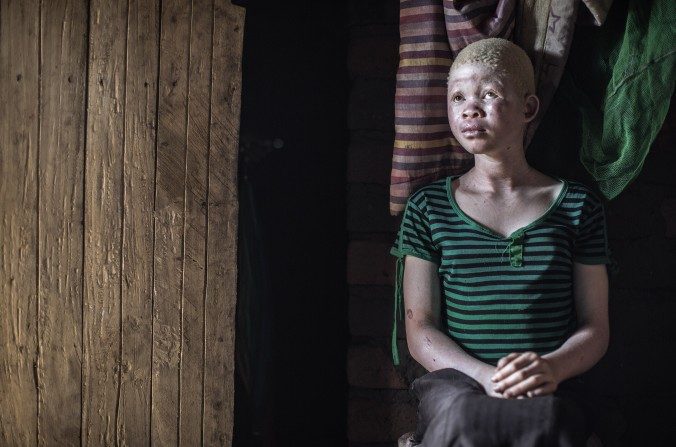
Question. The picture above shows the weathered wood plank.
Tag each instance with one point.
(62, 93)
(19, 148)
(193, 309)
(103, 223)
(222, 225)
(169, 221)
(140, 114)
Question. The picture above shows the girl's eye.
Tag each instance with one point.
(457, 98)
(491, 94)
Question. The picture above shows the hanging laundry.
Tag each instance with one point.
(432, 32)
(544, 29)
(640, 69)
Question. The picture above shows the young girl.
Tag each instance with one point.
(505, 288)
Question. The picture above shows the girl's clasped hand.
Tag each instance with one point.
(524, 374)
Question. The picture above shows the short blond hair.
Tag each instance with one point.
(501, 55)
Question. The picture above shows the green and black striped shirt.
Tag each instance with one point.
(503, 294)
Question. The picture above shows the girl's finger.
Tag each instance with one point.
(519, 376)
(533, 382)
(519, 362)
(509, 357)
(543, 390)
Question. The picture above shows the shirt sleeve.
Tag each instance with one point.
(415, 236)
(591, 244)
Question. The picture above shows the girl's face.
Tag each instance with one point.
(486, 112)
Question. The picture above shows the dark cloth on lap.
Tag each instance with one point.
(455, 411)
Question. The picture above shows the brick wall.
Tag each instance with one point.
(642, 234)
(380, 407)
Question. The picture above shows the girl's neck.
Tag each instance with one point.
(503, 174)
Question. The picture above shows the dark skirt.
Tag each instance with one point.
(455, 411)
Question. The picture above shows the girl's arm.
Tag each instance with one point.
(427, 344)
(532, 375)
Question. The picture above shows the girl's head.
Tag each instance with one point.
(502, 57)
(491, 96)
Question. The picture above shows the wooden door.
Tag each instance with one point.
(119, 125)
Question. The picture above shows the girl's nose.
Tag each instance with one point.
(471, 112)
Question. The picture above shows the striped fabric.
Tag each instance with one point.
(503, 294)
(432, 32)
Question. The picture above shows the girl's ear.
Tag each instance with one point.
(531, 107)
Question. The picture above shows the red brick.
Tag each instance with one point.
(370, 12)
(369, 157)
(370, 310)
(368, 209)
(369, 366)
(371, 105)
(362, 48)
(376, 420)
(369, 263)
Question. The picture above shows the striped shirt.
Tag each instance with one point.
(503, 294)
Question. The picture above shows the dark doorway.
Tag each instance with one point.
(292, 305)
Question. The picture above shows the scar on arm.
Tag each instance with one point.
(428, 341)
(409, 313)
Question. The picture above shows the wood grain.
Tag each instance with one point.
(140, 124)
(103, 223)
(169, 220)
(19, 149)
(62, 93)
(195, 229)
(222, 233)
(119, 128)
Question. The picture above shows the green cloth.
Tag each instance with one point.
(639, 67)
(502, 294)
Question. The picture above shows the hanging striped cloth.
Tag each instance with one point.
(432, 33)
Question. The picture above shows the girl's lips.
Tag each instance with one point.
(472, 129)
